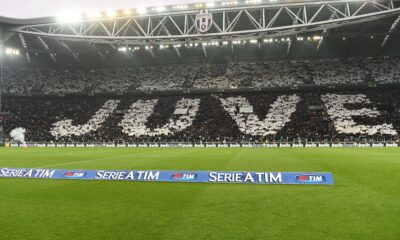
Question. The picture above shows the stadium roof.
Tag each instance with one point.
(254, 29)
(35, 9)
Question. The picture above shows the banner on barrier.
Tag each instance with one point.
(172, 176)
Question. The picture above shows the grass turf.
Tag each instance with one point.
(363, 204)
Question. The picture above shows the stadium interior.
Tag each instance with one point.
(232, 119)
(86, 80)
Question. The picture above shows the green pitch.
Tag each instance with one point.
(363, 204)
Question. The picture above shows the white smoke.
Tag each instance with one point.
(18, 135)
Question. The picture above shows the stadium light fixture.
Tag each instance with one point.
(317, 38)
(12, 51)
(180, 7)
(160, 9)
(122, 49)
(229, 3)
(253, 41)
(199, 5)
(127, 12)
(210, 4)
(141, 10)
(225, 43)
(252, 1)
(111, 13)
(300, 39)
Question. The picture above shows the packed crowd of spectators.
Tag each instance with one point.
(203, 76)
(233, 117)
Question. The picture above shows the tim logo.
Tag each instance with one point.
(184, 176)
(74, 174)
(310, 178)
(204, 21)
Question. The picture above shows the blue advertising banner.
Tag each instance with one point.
(172, 176)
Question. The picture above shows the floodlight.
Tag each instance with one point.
(111, 13)
(317, 38)
(161, 9)
(127, 12)
(141, 10)
(180, 7)
(210, 4)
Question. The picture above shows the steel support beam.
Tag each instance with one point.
(244, 23)
(47, 49)
(325, 32)
(69, 50)
(393, 28)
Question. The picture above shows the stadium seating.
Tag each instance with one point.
(203, 76)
